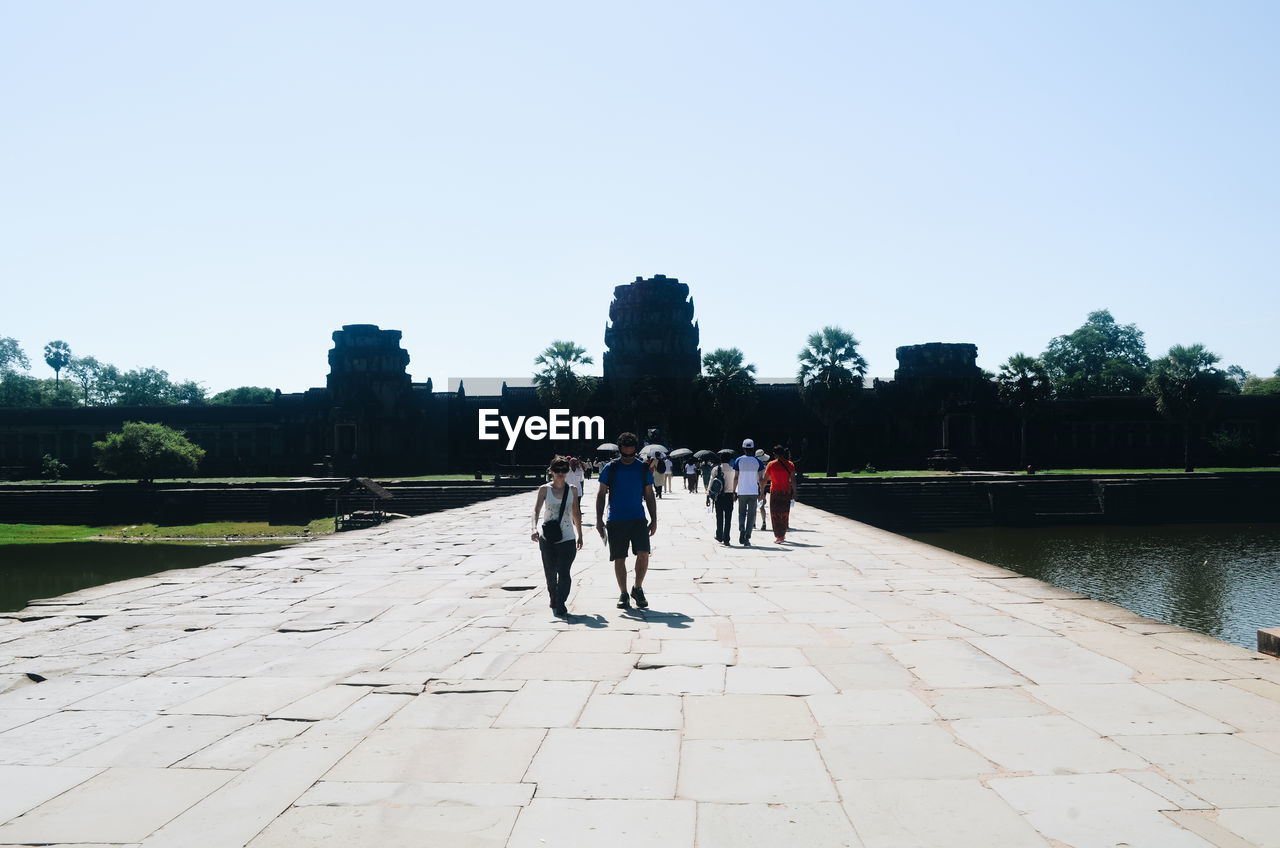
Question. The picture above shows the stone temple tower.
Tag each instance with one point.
(653, 333)
(652, 353)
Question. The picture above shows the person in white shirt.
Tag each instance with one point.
(557, 505)
(576, 475)
(749, 487)
(720, 490)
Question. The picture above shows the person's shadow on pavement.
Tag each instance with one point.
(675, 620)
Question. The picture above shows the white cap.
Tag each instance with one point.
(747, 443)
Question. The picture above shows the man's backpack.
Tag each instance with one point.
(716, 486)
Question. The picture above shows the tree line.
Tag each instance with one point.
(1101, 357)
(90, 382)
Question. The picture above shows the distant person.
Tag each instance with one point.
(659, 469)
(576, 476)
(748, 486)
(628, 485)
(724, 499)
(706, 471)
(781, 473)
(557, 528)
(691, 476)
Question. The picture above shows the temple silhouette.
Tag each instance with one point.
(370, 418)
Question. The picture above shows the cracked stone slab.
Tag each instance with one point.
(628, 824)
(754, 771)
(1095, 810)
(636, 712)
(746, 717)
(105, 809)
(1049, 744)
(955, 813)
(587, 763)
(458, 755)
(26, 787)
(388, 826)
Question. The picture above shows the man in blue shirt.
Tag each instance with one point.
(628, 484)
(749, 486)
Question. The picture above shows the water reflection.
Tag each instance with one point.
(1220, 579)
(28, 572)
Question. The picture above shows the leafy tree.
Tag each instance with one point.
(1100, 358)
(559, 385)
(186, 393)
(243, 395)
(830, 378)
(1239, 377)
(730, 385)
(144, 387)
(57, 354)
(19, 389)
(1261, 386)
(12, 356)
(1185, 384)
(85, 370)
(146, 451)
(1023, 385)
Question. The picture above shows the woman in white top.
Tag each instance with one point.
(566, 518)
(576, 475)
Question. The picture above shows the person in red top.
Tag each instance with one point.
(782, 490)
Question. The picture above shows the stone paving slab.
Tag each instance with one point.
(407, 685)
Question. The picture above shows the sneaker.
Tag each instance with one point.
(638, 594)
(623, 601)
(561, 610)
(778, 541)
(746, 543)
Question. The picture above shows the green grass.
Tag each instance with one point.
(12, 534)
(1095, 472)
(220, 480)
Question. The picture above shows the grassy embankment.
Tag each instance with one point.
(180, 480)
(1093, 472)
(222, 531)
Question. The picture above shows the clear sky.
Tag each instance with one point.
(214, 188)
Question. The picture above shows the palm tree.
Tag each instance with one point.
(1023, 386)
(57, 354)
(1184, 384)
(730, 385)
(830, 378)
(558, 384)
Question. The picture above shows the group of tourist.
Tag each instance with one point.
(629, 486)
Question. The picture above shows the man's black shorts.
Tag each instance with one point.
(621, 533)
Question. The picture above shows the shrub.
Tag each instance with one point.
(147, 451)
(51, 469)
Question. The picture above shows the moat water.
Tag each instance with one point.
(1219, 579)
(30, 572)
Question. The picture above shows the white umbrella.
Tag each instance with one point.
(679, 452)
(649, 450)
(607, 446)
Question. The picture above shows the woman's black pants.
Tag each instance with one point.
(556, 559)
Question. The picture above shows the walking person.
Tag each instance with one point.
(748, 486)
(576, 476)
(691, 476)
(627, 484)
(782, 491)
(659, 470)
(725, 498)
(706, 472)
(557, 529)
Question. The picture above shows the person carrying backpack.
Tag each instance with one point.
(720, 493)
